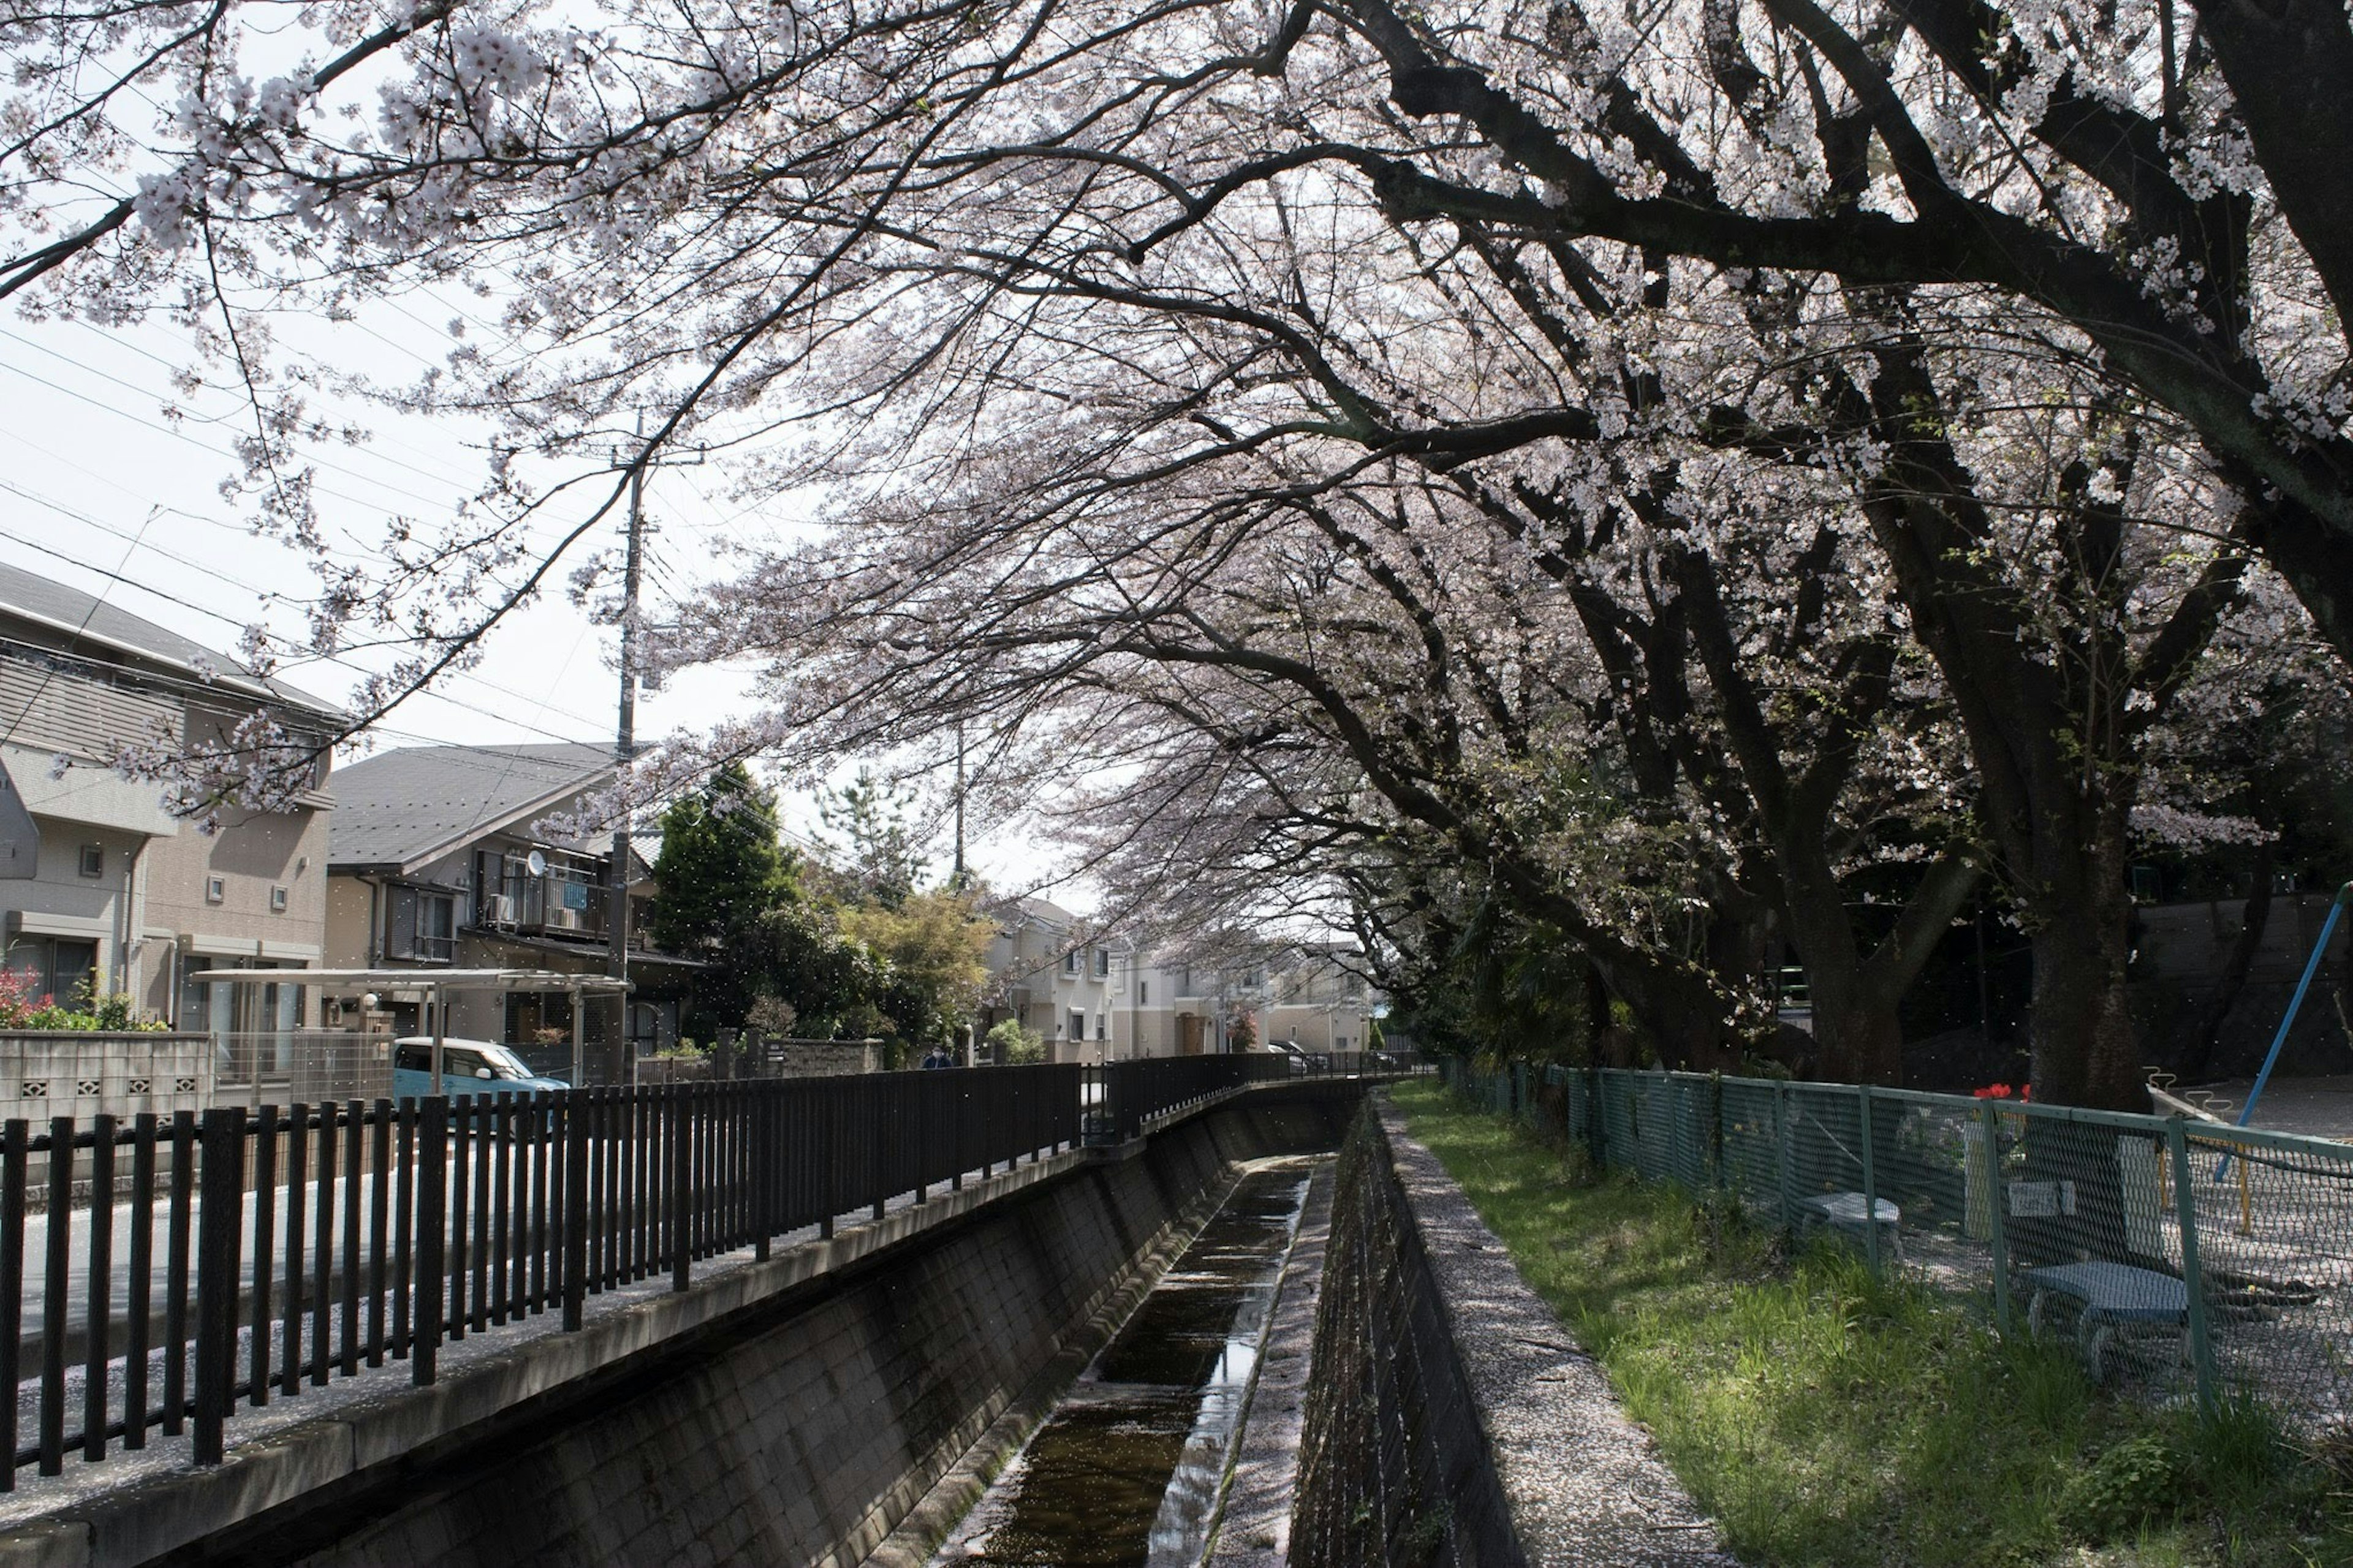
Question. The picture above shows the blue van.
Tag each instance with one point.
(468, 1067)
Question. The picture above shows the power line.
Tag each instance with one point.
(544, 704)
(175, 368)
(144, 392)
(323, 659)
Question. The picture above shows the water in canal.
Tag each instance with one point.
(1124, 1473)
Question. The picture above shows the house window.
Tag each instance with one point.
(1070, 962)
(1144, 992)
(1102, 964)
(215, 889)
(278, 900)
(422, 926)
(1077, 1025)
(260, 1017)
(93, 859)
(1103, 1025)
(55, 967)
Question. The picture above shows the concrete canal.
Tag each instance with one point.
(1126, 1471)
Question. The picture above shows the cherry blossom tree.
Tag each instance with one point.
(1199, 364)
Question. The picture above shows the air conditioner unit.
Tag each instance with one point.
(498, 910)
(563, 919)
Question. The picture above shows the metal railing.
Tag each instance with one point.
(161, 1272)
(2182, 1255)
(1126, 1099)
(230, 1256)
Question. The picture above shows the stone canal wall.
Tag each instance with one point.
(1451, 1419)
(803, 1430)
(1393, 1465)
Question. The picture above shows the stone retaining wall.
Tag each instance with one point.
(1393, 1465)
(1451, 1418)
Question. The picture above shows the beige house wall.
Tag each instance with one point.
(1318, 1028)
(351, 919)
(147, 910)
(1029, 959)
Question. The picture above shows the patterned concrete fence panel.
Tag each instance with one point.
(54, 1072)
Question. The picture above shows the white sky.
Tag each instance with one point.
(99, 489)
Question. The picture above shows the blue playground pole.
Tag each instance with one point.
(2311, 967)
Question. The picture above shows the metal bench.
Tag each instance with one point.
(2112, 1300)
(1843, 1211)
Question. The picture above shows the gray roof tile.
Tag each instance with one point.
(398, 806)
(88, 620)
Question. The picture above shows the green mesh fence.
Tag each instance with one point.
(2184, 1256)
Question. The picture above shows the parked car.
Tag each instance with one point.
(1302, 1060)
(468, 1067)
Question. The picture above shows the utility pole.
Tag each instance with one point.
(625, 737)
(625, 747)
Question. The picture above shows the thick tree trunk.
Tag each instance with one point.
(2083, 1049)
(1685, 1017)
(2253, 920)
(1857, 1038)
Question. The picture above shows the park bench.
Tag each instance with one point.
(1843, 1211)
(2112, 1300)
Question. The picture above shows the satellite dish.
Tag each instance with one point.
(535, 863)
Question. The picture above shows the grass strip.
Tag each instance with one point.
(1827, 1418)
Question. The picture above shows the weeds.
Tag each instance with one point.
(1828, 1417)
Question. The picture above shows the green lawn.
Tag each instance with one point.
(1828, 1419)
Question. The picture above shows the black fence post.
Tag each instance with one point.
(681, 1173)
(14, 1163)
(878, 1146)
(572, 1109)
(54, 1297)
(220, 1209)
(432, 1230)
(767, 1170)
(101, 1289)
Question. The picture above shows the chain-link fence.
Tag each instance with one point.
(2182, 1255)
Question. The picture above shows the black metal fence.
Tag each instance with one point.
(238, 1255)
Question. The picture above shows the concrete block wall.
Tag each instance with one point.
(802, 1437)
(46, 1073)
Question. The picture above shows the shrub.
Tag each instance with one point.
(93, 1012)
(1014, 1046)
(2135, 1481)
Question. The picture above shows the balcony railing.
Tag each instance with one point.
(545, 906)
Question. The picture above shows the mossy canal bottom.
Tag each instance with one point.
(1125, 1472)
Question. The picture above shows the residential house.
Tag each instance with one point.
(1317, 999)
(1310, 994)
(1171, 1005)
(441, 858)
(1058, 983)
(111, 889)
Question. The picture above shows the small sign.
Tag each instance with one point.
(20, 837)
(575, 895)
(2041, 1200)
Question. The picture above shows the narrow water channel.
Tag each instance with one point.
(1124, 1473)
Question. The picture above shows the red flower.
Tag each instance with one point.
(2003, 1091)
